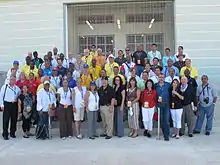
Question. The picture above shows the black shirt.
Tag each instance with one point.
(106, 95)
(118, 95)
(21, 97)
(175, 101)
(120, 61)
(189, 96)
(139, 55)
(179, 64)
(192, 82)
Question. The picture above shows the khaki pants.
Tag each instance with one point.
(107, 120)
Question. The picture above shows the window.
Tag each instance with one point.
(104, 42)
(144, 17)
(145, 40)
(96, 19)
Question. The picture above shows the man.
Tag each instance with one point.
(191, 81)
(64, 61)
(148, 70)
(109, 66)
(75, 74)
(50, 58)
(154, 53)
(163, 94)
(71, 81)
(141, 84)
(116, 73)
(9, 105)
(155, 64)
(107, 97)
(99, 80)
(87, 57)
(27, 65)
(207, 99)
(171, 76)
(126, 66)
(55, 53)
(94, 70)
(79, 64)
(45, 78)
(37, 60)
(100, 58)
(93, 51)
(167, 56)
(120, 59)
(47, 71)
(127, 52)
(166, 69)
(61, 69)
(14, 69)
(86, 78)
(180, 52)
(193, 70)
(71, 59)
(55, 80)
(180, 63)
(32, 69)
(158, 72)
(139, 58)
(46, 102)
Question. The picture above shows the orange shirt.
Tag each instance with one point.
(100, 60)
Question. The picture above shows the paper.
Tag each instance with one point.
(130, 111)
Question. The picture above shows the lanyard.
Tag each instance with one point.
(13, 90)
(48, 93)
(65, 93)
(95, 95)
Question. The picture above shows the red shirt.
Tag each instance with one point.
(20, 84)
(149, 97)
(33, 85)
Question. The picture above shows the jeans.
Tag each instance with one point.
(165, 120)
(202, 112)
(139, 70)
(118, 122)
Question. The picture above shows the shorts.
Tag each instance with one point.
(79, 114)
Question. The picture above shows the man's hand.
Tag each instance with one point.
(74, 109)
(111, 108)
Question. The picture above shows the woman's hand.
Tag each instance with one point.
(74, 109)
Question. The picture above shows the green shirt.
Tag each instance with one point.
(141, 84)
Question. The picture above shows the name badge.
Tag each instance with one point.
(146, 105)
(172, 105)
(160, 99)
(138, 61)
(82, 103)
(129, 103)
(65, 106)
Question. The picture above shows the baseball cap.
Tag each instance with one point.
(16, 62)
(85, 66)
(92, 83)
(46, 82)
(111, 56)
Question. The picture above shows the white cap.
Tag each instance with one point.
(46, 82)
(111, 56)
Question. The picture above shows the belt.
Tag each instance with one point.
(12, 102)
(106, 105)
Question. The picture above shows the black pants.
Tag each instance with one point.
(42, 131)
(26, 124)
(10, 114)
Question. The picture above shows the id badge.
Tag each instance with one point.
(28, 109)
(173, 105)
(146, 104)
(129, 103)
(160, 99)
(65, 106)
(139, 62)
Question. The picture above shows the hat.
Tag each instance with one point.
(55, 69)
(180, 55)
(85, 66)
(46, 82)
(105, 78)
(111, 56)
(92, 83)
(16, 62)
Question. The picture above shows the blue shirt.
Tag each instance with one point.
(71, 83)
(163, 91)
(47, 71)
(166, 58)
(165, 71)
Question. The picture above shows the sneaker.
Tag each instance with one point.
(181, 134)
(174, 135)
(166, 139)
(108, 137)
(63, 138)
(145, 133)
(196, 132)
(13, 136)
(190, 135)
(92, 138)
(207, 133)
(103, 135)
(79, 136)
(6, 138)
(177, 136)
(149, 134)
(70, 137)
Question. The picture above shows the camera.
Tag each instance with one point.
(206, 100)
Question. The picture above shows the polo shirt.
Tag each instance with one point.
(193, 71)
(109, 68)
(139, 58)
(87, 59)
(120, 61)
(47, 71)
(86, 79)
(28, 71)
(106, 95)
(95, 72)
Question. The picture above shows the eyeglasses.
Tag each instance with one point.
(127, 50)
(117, 79)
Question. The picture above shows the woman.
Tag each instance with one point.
(22, 80)
(78, 106)
(176, 107)
(119, 106)
(25, 105)
(65, 113)
(92, 106)
(148, 103)
(133, 96)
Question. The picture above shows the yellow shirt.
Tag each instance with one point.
(42, 85)
(94, 54)
(95, 72)
(86, 79)
(100, 60)
(28, 71)
(109, 68)
(25, 67)
(122, 77)
(193, 71)
(87, 59)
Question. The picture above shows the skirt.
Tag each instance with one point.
(133, 116)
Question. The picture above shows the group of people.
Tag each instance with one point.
(110, 88)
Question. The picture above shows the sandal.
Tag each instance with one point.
(131, 134)
(134, 135)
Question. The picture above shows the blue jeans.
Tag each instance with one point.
(165, 120)
(202, 112)
(139, 70)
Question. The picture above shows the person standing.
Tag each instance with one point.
(107, 97)
(110, 65)
(78, 100)
(25, 110)
(176, 107)
(119, 90)
(207, 99)
(55, 79)
(120, 59)
(94, 70)
(133, 96)
(14, 71)
(154, 53)
(92, 106)
(8, 101)
(167, 56)
(65, 110)
(22, 80)
(127, 65)
(189, 105)
(162, 89)
(148, 104)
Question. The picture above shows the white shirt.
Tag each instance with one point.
(127, 66)
(65, 97)
(150, 74)
(155, 79)
(76, 75)
(72, 60)
(93, 101)
(44, 99)
(151, 55)
(18, 72)
(186, 56)
(54, 63)
(55, 81)
(65, 63)
(169, 79)
(79, 97)
(9, 94)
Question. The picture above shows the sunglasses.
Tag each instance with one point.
(127, 50)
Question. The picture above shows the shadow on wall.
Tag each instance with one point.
(2, 78)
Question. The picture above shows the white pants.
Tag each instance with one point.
(147, 115)
(176, 117)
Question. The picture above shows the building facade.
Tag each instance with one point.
(29, 25)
